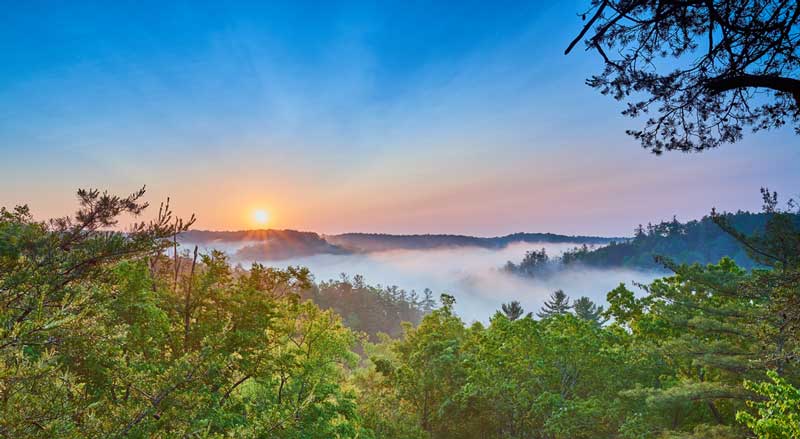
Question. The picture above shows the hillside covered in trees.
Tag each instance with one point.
(150, 331)
(286, 244)
(264, 244)
(368, 242)
(105, 334)
(699, 241)
(371, 309)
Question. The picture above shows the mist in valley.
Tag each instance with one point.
(473, 275)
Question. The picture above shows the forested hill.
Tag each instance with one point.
(257, 235)
(284, 244)
(380, 241)
(264, 244)
(700, 241)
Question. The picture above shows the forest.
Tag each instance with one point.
(698, 241)
(109, 334)
(113, 325)
(276, 245)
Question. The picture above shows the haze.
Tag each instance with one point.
(473, 275)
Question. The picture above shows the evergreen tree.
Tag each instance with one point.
(586, 309)
(697, 73)
(715, 331)
(513, 310)
(105, 335)
(557, 305)
(428, 302)
(534, 263)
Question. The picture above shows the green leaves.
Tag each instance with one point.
(105, 336)
(671, 364)
(778, 415)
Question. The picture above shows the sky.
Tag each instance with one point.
(396, 117)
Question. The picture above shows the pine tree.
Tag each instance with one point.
(428, 302)
(587, 310)
(534, 262)
(557, 305)
(513, 310)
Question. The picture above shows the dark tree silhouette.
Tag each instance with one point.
(557, 305)
(513, 310)
(707, 68)
(534, 263)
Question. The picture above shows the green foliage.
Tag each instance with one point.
(558, 304)
(672, 365)
(701, 242)
(371, 309)
(676, 362)
(106, 334)
(515, 378)
(778, 416)
(103, 335)
(512, 310)
(587, 310)
(534, 263)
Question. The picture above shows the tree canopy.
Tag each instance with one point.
(111, 334)
(102, 334)
(697, 71)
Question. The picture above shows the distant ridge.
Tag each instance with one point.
(697, 241)
(205, 236)
(266, 244)
(382, 241)
(271, 244)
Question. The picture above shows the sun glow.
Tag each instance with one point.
(261, 216)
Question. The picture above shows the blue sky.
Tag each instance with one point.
(404, 117)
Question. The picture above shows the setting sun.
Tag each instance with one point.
(400, 219)
(261, 216)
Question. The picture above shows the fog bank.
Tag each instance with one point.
(473, 275)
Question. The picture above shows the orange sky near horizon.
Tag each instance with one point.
(575, 193)
(340, 118)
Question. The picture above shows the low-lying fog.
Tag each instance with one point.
(473, 275)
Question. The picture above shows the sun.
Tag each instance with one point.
(261, 216)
